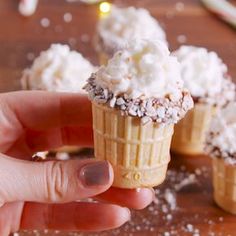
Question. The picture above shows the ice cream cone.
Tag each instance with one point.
(224, 182)
(138, 153)
(190, 132)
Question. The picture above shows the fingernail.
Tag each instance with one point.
(128, 214)
(95, 174)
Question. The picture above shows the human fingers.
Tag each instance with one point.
(40, 110)
(131, 198)
(10, 216)
(58, 137)
(80, 216)
(52, 181)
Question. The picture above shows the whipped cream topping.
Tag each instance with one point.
(144, 69)
(58, 69)
(205, 75)
(27, 7)
(125, 24)
(221, 141)
(143, 80)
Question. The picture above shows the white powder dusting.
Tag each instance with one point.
(170, 199)
(182, 39)
(179, 6)
(159, 223)
(62, 156)
(45, 22)
(72, 41)
(85, 38)
(191, 179)
(67, 17)
(58, 29)
(30, 56)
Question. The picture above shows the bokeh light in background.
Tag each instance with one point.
(104, 9)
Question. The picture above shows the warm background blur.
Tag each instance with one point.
(184, 204)
(21, 39)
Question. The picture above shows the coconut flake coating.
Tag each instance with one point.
(221, 139)
(58, 69)
(143, 80)
(125, 24)
(205, 75)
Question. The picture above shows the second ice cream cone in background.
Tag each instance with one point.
(136, 99)
(221, 147)
(190, 132)
(206, 77)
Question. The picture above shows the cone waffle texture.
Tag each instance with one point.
(103, 58)
(190, 133)
(138, 153)
(224, 182)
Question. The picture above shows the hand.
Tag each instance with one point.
(32, 193)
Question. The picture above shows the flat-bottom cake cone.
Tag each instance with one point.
(190, 133)
(103, 58)
(224, 183)
(138, 153)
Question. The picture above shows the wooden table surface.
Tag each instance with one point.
(21, 39)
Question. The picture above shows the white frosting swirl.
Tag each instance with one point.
(223, 130)
(124, 24)
(203, 72)
(144, 69)
(58, 69)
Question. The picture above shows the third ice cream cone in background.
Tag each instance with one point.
(122, 25)
(221, 146)
(137, 98)
(58, 69)
(205, 75)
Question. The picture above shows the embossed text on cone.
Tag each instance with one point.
(138, 153)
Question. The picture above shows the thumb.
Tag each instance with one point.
(52, 181)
